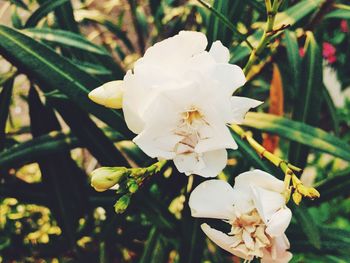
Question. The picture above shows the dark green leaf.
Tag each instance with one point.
(151, 242)
(5, 101)
(52, 71)
(308, 225)
(66, 38)
(299, 132)
(19, 3)
(339, 14)
(43, 11)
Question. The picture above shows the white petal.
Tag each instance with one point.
(278, 252)
(188, 163)
(215, 162)
(239, 108)
(230, 77)
(176, 49)
(219, 52)
(109, 94)
(267, 202)
(212, 199)
(224, 241)
(261, 179)
(279, 222)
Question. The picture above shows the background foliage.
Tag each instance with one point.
(52, 136)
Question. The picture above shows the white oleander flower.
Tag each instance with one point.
(178, 99)
(256, 211)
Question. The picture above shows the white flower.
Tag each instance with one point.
(254, 208)
(178, 99)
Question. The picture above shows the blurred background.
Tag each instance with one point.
(52, 136)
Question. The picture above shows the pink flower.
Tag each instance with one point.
(344, 27)
(301, 52)
(329, 52)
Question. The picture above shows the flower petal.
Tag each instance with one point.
(267, 202)
(109, 94)
(225, 242)
(278, 252)
(212, 199)
(261, 179)
(239, 108)
(219, 52)
(215, 162)
(230, 77)
(188, 163)
(279, 222)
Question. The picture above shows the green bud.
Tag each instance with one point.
(133, 186)
(122, 204)
(106, 177)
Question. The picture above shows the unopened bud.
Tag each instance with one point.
(122, 204)
(133, 186)
(296, 197)
(105, 178)
(109, 94)
(313, 193)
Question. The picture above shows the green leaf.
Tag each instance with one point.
(334, 186)
(37, 148)
(248, 151)
(308, 102)
(150, 245)
(52, 71)
(294, 59)
(299, 132)
(331, 109)
(19, 3)
(5, 101)
(97, 17)
(66, 38)
(308, 225)
(298, 11)
(339, 14)
(43, 11)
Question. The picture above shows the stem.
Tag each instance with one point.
(275, 160)
(271, 11)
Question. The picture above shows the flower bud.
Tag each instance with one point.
(122, 204)
(296, 197)
(105, 178)
(313, 193)
(109, 94)
(133, 186)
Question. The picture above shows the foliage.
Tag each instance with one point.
(54, 53)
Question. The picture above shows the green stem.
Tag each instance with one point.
(271, 11)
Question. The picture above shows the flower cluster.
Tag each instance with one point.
(178, 100)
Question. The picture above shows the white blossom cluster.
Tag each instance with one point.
(178, 100)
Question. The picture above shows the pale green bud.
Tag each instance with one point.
(105, 178)
(122, 204)
(133, 186)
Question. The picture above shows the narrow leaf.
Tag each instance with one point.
(299, 132)
(5, 101)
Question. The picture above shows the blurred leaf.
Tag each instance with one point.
(299, 132)
(308, 225)
(43, 11)
(298, 11)
(252, 157)
(89, 134)
(15, 18)
(271, 142)
(291, 16)
(5, 101)
(66, 38)
(294, 59)
(334, 186)
(33, 150)
(60, 175)
(19, 3)
(308, 99)
(97, 17)
(151, 242)
(339, 13)
(331, 109)
(53, 71)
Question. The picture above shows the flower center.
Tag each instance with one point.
(249, 234)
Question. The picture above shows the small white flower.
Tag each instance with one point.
(254, 208)
(178, 99)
